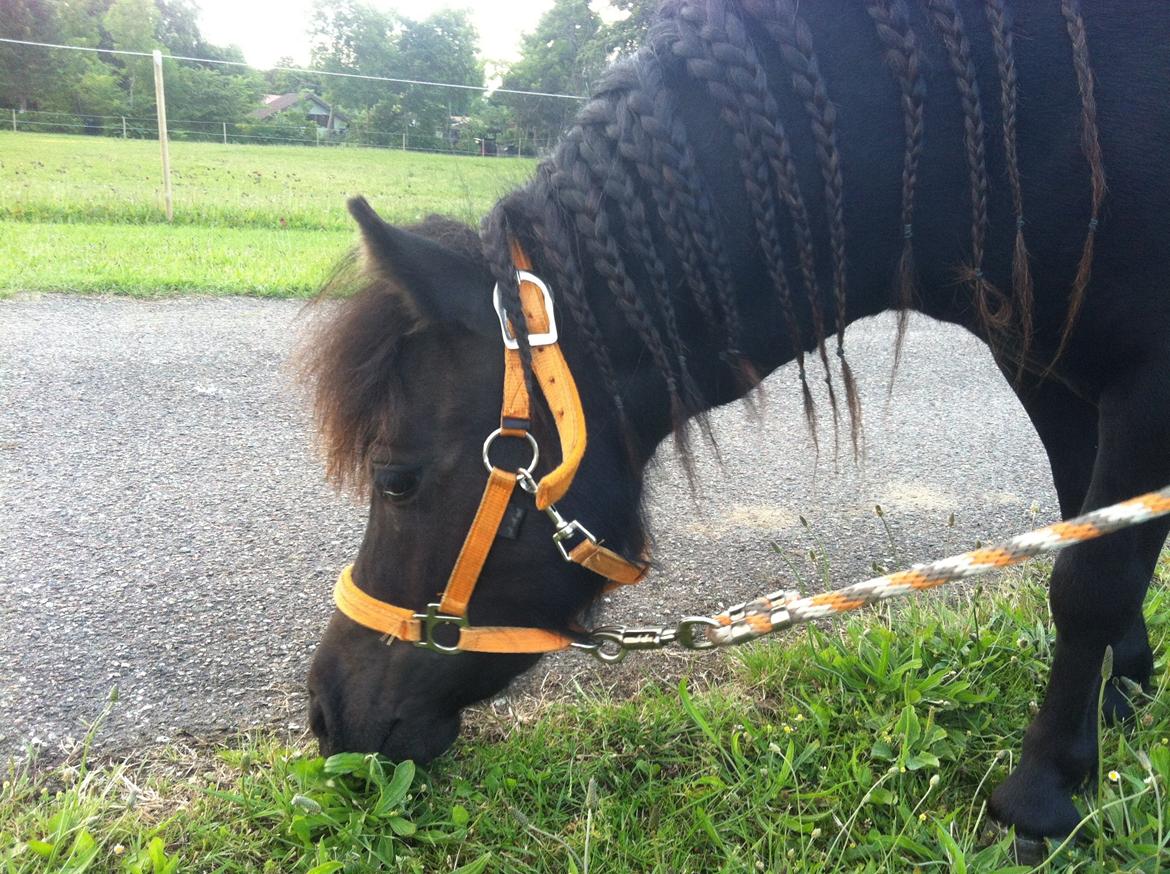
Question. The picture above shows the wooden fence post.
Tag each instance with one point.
(224, 123)
(161, 104)
(123, 127)
(14, 121)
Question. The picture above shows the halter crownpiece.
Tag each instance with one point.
(556, 383)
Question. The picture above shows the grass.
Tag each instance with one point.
(870, 745)
(153, 260)
(243, 214)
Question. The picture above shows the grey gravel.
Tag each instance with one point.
(165, 528)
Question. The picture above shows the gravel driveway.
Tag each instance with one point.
(164, 526)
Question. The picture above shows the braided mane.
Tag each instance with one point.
(623, 201)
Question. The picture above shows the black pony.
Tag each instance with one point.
(761, 174)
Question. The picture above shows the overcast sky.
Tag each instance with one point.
(271, 29)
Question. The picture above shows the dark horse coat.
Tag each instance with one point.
(760, 175)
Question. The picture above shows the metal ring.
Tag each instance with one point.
(603, 638)
(487, 445)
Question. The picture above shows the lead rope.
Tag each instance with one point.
(785, 608)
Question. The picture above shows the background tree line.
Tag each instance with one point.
(563, 53)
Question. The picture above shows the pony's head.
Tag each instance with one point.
(407, 377)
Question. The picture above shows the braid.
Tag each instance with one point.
(729, 37)
(615, 180)
(652, 115)
(548, 227)
(496, 235)
(689, 44)
(1001, 35)
(904, 60)
(1091, 146)
(990, 304)
(571, 181)
(780, 19)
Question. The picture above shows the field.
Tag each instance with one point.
(867, 746)
(84, 213)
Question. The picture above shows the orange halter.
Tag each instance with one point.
(560, 393)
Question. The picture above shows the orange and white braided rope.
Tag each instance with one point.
(783, 609)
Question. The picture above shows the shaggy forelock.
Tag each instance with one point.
(348, 358)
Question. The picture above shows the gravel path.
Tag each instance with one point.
(164, 526)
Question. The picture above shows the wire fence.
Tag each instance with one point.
(296, 125)
(512, 142)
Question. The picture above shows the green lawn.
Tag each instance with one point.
(148, 260)
(869, 746)
(242, 213)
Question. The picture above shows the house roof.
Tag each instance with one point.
(274, 103)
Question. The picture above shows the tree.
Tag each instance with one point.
(26, 71)
(131, 26)
(562, 56)
(441, 48)
(198, 94)
(623, 37)
(285, 82)
(352, 37)
(348, 36)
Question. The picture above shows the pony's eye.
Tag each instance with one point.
(397, 481)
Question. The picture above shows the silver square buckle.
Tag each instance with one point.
(548, 337)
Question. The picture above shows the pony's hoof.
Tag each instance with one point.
(1025, 850)
(1036, 804)
(1029, 851)
(1116, 706)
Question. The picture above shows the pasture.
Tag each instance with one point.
(866, 745)
(83, 213)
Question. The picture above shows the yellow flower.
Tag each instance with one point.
(1114, 777)
(922, 817)
(119, 849)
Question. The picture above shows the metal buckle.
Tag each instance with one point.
(430, 621)
(548, 337)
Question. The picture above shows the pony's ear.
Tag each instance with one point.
(444, 285)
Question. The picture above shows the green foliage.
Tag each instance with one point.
(348, 36)
(89, 86)
(205, 95)
(868, 746)
(131, 26)
(622, 37)
(351, 36)
(563, 55)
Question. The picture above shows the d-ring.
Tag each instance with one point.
(487, 445)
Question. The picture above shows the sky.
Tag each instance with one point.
(270, 29)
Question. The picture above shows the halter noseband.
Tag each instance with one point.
(560, 393)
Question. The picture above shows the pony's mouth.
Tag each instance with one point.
(420, 738)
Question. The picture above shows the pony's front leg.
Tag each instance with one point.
(1096, 593)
